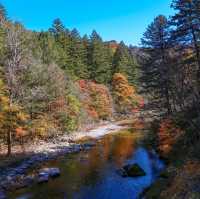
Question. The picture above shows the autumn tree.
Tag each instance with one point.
(125, 97)
(12, 117)
(96, 99)
(42, 84)
(168, 135)
(14, 64)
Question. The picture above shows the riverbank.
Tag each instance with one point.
(13, 177)
(54, 144)
(104, 160)
(181, 178)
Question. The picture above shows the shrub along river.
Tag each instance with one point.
(93, 174)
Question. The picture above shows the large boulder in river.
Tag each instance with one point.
(45, 173)
(132, 171)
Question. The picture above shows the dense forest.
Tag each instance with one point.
(170, 61)
(172, 66)
(57, 82)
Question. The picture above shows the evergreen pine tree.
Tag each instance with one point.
(47, 47)
(155, 41)
(78, 54)
(99, 64)
(62, 38)
(3, 13)
(124, 62)
(187, 26)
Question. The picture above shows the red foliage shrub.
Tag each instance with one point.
(95, 99)
(20, 132)
(168, 135)
(57, 105)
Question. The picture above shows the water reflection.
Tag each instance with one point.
(92, 175)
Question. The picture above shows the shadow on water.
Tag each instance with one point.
(92, 174)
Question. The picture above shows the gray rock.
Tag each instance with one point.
(131, 171)
(52, 172)
(134, 170)
(43, 177)
(19, 171)
(89, 144)
(24, 166)
(28, 181)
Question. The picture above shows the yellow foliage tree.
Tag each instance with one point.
(125, 96)
(12, 117)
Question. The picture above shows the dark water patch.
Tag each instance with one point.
(93, 174)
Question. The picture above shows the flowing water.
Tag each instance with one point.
(93, 174)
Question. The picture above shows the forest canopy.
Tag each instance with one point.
(56, 81)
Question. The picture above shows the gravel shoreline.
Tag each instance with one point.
(16, 178)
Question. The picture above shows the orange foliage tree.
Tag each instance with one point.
(96, 99)
(125, 96)
(12, 117)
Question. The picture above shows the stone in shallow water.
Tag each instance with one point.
(52, 172)
(43, 177)
(46, 173)
(132, 171)
(28, 181)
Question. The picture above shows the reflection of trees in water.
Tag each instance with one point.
(106, 147)
(123, 148)
(97, 159)
(87, 168)
(94, 164)
(119, 148)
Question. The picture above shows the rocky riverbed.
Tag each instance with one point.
(16, 177)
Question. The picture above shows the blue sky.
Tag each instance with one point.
(113, 19)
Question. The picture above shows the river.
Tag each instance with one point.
(93, 174)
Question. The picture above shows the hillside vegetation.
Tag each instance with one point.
(57, 82)
(170, 60)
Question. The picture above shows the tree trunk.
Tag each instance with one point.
(9, 141)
